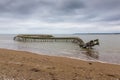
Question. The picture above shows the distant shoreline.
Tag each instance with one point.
(96, 34)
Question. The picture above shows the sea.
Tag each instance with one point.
(108, 51)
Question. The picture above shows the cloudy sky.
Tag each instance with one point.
(59, 16)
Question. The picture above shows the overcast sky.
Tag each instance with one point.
(59, 16)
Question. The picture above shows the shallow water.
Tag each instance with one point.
(107, 51)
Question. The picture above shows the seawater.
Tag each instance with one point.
(107, 51)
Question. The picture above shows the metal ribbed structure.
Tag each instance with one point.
(47, 38)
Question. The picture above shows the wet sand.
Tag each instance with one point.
(21, 65)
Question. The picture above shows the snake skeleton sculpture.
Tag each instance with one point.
(50, 38)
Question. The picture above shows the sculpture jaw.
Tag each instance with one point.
(90, 44)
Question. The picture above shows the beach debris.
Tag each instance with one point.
(35, 70)
(90, 63)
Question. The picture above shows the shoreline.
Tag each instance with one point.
(64, 57)
(31, 66)
(91, 60)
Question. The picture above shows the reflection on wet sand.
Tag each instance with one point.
(91, 53)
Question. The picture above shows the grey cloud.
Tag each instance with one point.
(107, 10)
(41, 28)
(56, 11)
(112, 18)
(71, 5)
(18, 7)
(54, 8)
(21, 7)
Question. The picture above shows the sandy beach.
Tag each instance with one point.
(22, 65)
